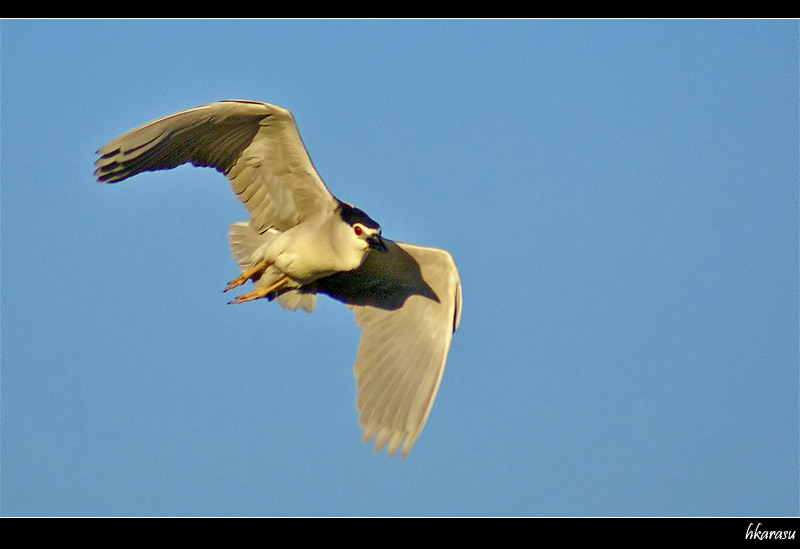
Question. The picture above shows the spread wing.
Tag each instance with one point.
(408, 304)
(256, 145)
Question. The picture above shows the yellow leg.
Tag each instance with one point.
(246, 275)
(261, 291)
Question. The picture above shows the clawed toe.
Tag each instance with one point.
(260, 291)
(247, 274)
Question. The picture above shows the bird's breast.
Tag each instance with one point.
(306, 254)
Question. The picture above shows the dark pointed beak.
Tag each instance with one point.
(376, 243)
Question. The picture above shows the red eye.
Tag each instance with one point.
(358, 230)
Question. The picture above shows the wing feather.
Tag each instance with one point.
(256, 145)
(403, 350)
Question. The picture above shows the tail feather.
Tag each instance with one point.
(297, 299)
(244, 241)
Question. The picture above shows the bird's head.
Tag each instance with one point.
(365, 231)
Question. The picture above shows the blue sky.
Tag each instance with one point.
(621, 199)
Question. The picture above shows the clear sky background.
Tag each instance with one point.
(621, 199)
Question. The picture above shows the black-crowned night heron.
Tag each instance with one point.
(301, 240)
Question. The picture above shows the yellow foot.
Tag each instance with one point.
(247, 274)
(261, 291)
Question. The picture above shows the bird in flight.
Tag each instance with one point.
(301, 241)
